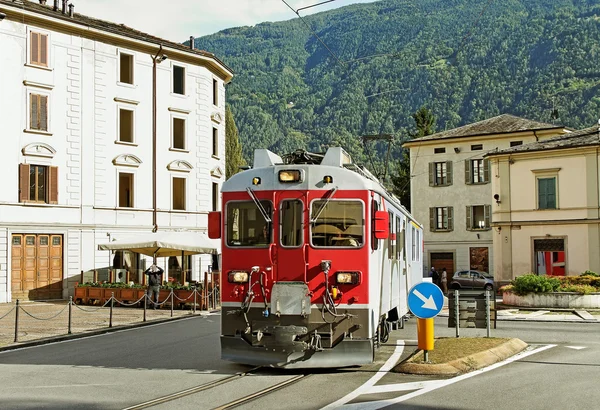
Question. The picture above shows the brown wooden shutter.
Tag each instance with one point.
(468, 172)
(34, 111)
(432, 219)
(469, 215)
(449, 172)
(35, 48)
(432, 174)
(486, 170)
(487, 215)
(43, 108)
(23, 182)
(53, 185)
(43, 60)
(450, 218)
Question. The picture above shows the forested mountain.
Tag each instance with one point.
(465, 60)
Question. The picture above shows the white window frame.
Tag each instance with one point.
(173, 65)
(185, 192)
(133, 64)
(544, 174)
(215, 92)
(478, 171)
(132, 171)
(118, 130)
(28, 62)
(215, 153)
(33, 90)
(185, 133)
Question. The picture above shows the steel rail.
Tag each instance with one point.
(190, 391)
(261, 393)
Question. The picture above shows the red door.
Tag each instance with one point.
(290, 236)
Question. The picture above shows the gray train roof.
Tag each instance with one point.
(335, 163)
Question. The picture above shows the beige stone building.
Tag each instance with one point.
(547, 220)
(452, 188)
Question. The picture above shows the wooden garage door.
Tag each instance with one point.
(36, 266)
(441, 260)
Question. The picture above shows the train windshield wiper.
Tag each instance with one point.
(258, 205)
(327, 199)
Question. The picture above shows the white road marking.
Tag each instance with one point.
(387, 366)
(431, 385)
(576, 347)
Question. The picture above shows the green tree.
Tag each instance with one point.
(233, 149)
(424, 123)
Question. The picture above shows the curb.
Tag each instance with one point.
(88, 333)
(465, 364)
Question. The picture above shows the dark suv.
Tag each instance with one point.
(472, 279)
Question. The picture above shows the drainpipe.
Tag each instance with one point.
(154, 210)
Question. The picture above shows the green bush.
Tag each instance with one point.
(581, 289)
(589, 273)
(532, 283)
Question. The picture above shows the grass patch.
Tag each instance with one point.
(449, 349)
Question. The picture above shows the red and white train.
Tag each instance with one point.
(317, 261)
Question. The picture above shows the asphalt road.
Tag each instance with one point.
(118, 370)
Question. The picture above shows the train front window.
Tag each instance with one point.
(339, 224)
(246, 226)
(291, 223)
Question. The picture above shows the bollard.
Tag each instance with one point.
(70, 312)
(145, 305)
(194, 309)
(17, 322)
(172, 302)
(112, 298)
(456, 312)
(487, 311)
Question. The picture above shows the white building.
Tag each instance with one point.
(79, 137)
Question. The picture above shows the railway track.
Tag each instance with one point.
(216, 383)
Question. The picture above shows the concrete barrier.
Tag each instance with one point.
(552, 300)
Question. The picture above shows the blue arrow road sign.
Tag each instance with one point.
(425, 300)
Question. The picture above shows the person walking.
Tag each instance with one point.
(444, 281)
(154, 280)
(435, 276)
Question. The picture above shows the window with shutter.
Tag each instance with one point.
(38, 183)
(38, 44)
(449, 173)
(468, 172)
(38, 112)
(53, 185)
(23, 182)
(432, 174)
(546, 193)
(469, 213)
(450, 226)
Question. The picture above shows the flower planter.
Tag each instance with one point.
(552, 300)
(81, 294)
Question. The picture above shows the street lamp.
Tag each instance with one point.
(157, 59)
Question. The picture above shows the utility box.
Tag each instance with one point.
(471, 309)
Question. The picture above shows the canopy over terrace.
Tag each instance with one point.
(165, 244)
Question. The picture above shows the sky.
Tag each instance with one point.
(177, 20)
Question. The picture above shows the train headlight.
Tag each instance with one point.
(347, 278)
(237, 276)
(290, 175)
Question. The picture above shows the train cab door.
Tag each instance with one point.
(291, 249)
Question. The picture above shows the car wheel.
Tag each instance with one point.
(455, 286)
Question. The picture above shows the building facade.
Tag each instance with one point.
(547, 221)
(108, 132)
(451, 188)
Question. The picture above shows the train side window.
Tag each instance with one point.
(337, 223)
(291, 223)
(391, 240)
(374, 240)
(399, 244)
(246, 227)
